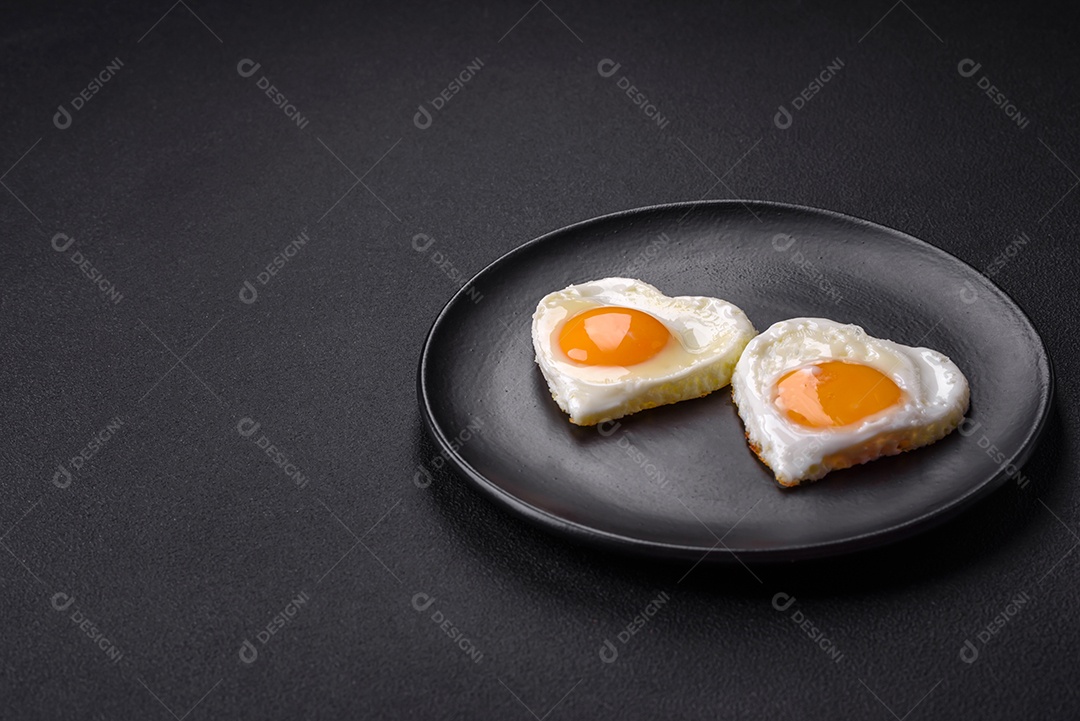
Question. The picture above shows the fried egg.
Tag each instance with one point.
(815, 396)
(615, 346)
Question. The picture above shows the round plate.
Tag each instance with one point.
(679, 480)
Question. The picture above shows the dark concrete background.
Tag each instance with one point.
(132, 578)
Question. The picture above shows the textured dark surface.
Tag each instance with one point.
(179, 180)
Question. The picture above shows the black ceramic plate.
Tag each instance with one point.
(675, 480)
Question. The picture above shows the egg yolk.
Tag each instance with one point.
(613, 336)
(835, 393)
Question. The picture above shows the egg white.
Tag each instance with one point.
(708, 334)
(935, 398)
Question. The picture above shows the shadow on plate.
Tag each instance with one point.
(540, 559)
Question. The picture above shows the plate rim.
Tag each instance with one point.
(852, 544)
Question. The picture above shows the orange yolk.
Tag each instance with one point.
(612, 336)
(835, 393)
